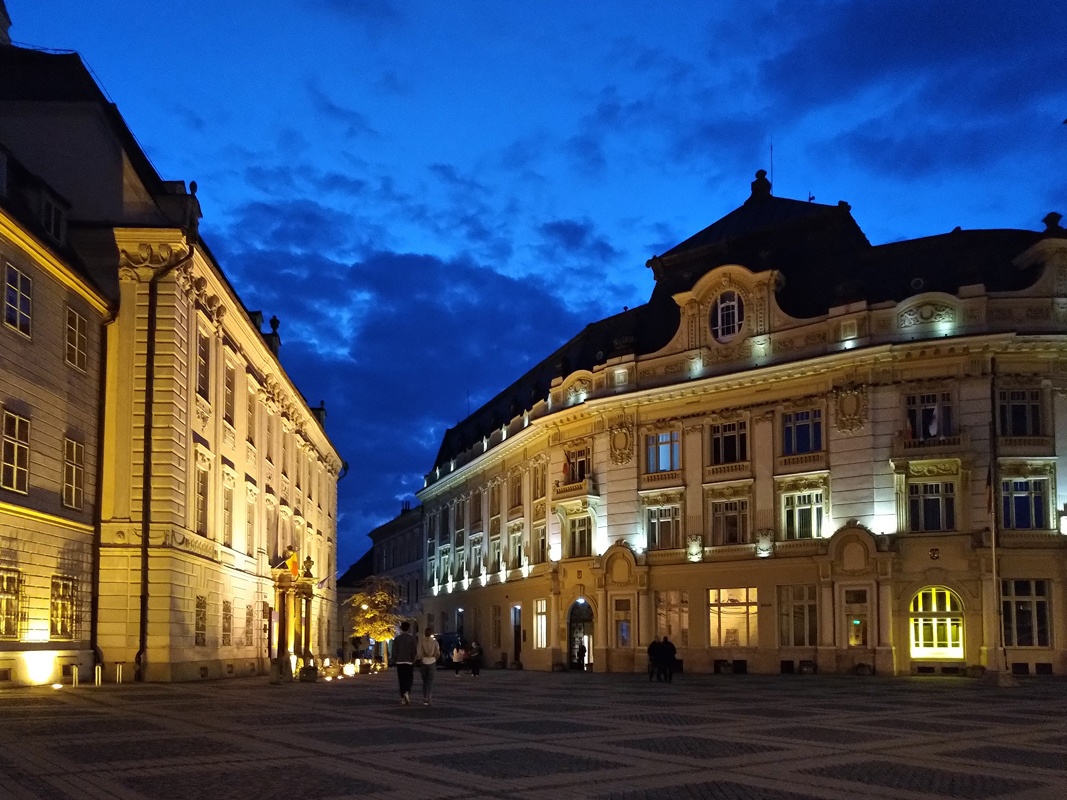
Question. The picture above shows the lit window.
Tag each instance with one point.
(581, 537)
(803, 515)
(15, 470)
(729, 521)
(930, 416)
(227, 623)
(662, 452)
(729, 443)
(73, 473)
(801, 432)
(672, 616)
(727, 316)
(63, 616)
(540, 624)
(1025, 503)
(732, 617)
(664, 527)
(936, 622)
(624, 623)
(18, 294)
(932, 506)
(1025, 605)
(77, 339)
(10, 585)
(797, 616)
(1020, 412)
(575, 465)
(200, 622)
(515, 490)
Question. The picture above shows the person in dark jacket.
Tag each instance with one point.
(667, 654)
(474, 658)
(404, 648)
(653, 661)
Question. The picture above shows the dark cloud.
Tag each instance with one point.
(568, 238)
(302, 225)
(354, 123)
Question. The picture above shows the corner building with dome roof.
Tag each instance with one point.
(804, 453)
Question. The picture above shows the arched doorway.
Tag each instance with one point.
(580, 634)
(935, 620)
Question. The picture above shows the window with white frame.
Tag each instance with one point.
(250, 525)
(732, 617)
(271, 425)
(672, 616)
(1020, 412)
(495, 554)
(227, 515)
(798, 617)
(1024, 503)
(1025, 615)
(729, 521)
(727, 316)
(930, 415)
(623, 622)
(73, 473)
(515, 490)
(931, 506)
(250, 412)
(200, 622)
(515, 549)
(203, 365)
(477, 556)
(802, 514)
(538, 480)
(77, 339)
(63, 614)
(664, 527)
(540, 544)
(18, 300)
(540, 619)
(575, 465)
(729, 443)
(662, 452)
(10, 594)
(936, 624)
(200, 509)
(580, 541)
(801, 432)
(15, 465)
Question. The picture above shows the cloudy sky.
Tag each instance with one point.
(433, 196)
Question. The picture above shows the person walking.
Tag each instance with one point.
(581, 655)
(474, 658)
(404, 653)
(428, 653)
(653, 660)
(459, 658)
(667, 654)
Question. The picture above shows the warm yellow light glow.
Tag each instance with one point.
(37, 632)
(292, 662)
(555, 551)
(328, 678)
(40, 666)
(57, 685)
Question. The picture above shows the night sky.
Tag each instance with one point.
(434, 196)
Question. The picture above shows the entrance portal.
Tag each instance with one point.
(580, 635)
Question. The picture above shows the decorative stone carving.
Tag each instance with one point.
(155, 256)
(579, 389)
(926, 313)
(851, 408)
(204, 458)
(694, 547)
(663, 498)
(203, 411)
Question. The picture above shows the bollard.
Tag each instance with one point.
(74, 675)
(99, 674)
(118, 672)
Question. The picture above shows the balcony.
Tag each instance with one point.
(1016, 446)
(657, 480)
(570, 491)
(728, 472)
(904, 446)
(805, 462)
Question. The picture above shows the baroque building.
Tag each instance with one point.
(803, 453)
(211, 513)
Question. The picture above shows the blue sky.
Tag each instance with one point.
(434, 196)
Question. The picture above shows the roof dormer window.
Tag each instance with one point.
(53, 218)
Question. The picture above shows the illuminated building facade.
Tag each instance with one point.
(804, 453)
(216, 505)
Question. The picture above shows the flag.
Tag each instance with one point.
(294, 564)
(322, 584)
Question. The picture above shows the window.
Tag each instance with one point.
(538, 481)
(285, 452)
(495, 555)
(515, 490)
(936, 624)
(732, 618)
(227, 622)
(18, 293)
(1025, 606)
(801, 432)
(576, 465)
(803, 513)
(540, 544)
(53, 218)
(200, 624)
(930, 415)
(15, 470)
(77, 339)
(200, 509)
(729, 443)
(10, 586)
(250, 526)
(63, 616)
(251, 413)
(229, 394)
(476, 555)
(662, 450)
(729, 521)
(856, 616)
(476, 510)
(664, 527)
(515, 550)
(672, 616)
(270, 437)
(624, 623)
(250, 626)
(798, 624)
(1025, 503)
(203, 365)
(727, 316)
(540, 624)
(227, 516)
(581, 537)
(931, 506)
(1019, 412)
(73, 473)
(494, 627)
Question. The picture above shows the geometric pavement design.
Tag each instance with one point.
(923, 779)
(695, 747)
(518, 762)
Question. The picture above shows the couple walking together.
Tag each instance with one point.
(407, 651)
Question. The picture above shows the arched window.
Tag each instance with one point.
(727, 316)
(936, 620)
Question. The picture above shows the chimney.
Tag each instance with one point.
(5, 25)
(319, 413)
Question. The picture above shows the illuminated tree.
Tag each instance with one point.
(372, 610)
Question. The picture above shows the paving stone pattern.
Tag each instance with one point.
(540, 736)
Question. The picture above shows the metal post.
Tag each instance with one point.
(73, 674)
(118, 672)
(98, 674)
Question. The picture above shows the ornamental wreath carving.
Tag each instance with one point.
(851, 408)
(621, 438)
(925, 314)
